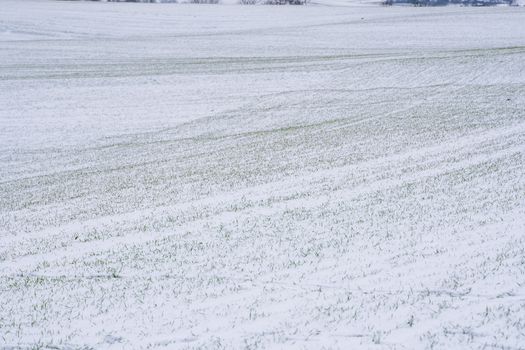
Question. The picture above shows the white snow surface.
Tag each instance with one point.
(261, 177)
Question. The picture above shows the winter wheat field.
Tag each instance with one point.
(330, 176)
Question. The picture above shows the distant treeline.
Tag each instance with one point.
(452, 2)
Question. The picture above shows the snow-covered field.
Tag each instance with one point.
(241, 177)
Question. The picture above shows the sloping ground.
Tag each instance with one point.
(183, 177)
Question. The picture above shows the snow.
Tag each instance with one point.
(337, 175)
